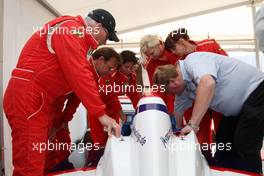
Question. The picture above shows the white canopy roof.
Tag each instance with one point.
(137, 14)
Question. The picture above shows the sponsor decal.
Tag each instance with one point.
(142, 140)
(166, 138)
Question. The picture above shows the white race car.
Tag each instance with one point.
(153, 150)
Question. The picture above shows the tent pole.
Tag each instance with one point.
(258, 62)
(49, 7)
(1, 89)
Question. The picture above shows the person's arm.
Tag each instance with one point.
(71, 52)
(182, 103)
(111, 100)
(179, 119)
(204, 96)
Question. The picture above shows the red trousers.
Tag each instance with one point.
(30, 121)
(30, 118)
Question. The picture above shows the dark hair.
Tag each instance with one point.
(174, 36)
(128, 56)
(107, 53)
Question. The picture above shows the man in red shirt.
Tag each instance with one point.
(117, 83)
(52, 65)
(60, 131)
(179, 43)
(155, 54)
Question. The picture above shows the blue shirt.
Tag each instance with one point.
(235, 80)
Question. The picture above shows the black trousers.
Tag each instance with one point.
(245, 132)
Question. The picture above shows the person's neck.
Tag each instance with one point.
(190, 48)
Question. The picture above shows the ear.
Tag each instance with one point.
(100, 24)
(101, 59)
(161, 46)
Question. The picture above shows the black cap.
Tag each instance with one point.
(107, 20)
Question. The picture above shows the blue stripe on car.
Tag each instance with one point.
(151, 106)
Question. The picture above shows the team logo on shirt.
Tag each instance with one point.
(89, 53)
(78, 33)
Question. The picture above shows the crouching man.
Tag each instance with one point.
(225, 85)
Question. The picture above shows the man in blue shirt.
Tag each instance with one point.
(225, 85)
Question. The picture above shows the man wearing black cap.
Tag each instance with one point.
(54, 64)
(106, 21)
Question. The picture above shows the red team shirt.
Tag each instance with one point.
(210, 45)
(152, 64)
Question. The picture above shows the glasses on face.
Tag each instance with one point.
(109, 67)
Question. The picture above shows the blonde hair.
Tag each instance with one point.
(164, 73)
(148, 41)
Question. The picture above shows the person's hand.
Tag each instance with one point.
(111, 125)
(123, 117)
(186, 130)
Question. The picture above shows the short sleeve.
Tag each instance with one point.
(199, 64)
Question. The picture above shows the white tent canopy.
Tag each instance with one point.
(138, 14)
(136, 17)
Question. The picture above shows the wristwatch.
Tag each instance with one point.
(193, 126)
